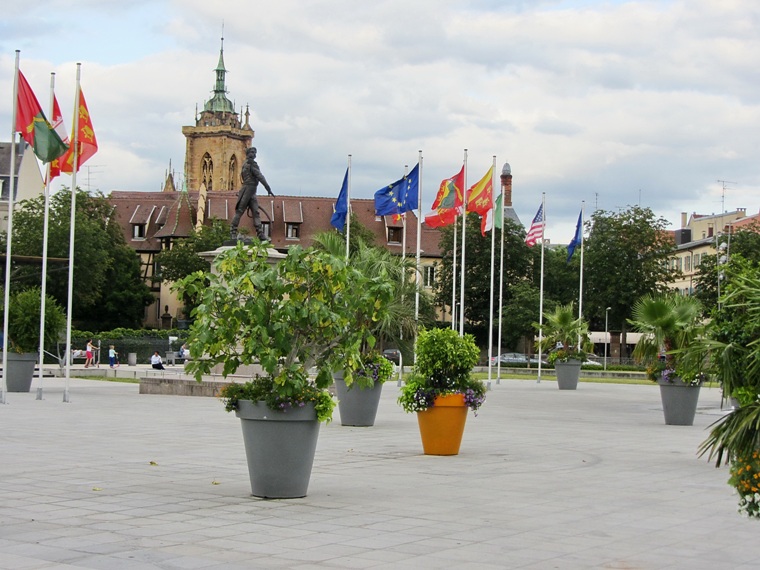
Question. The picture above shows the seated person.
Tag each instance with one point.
(156, 361)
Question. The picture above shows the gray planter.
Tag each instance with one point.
(568, 374)
(279, 447)
(20, 371)
(357, 406)
(679, 401)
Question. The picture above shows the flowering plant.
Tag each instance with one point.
(444, 365)
(376, 368)
(745, 478)
(262, 388)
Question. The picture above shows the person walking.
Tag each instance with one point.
(156, 362)
(111, 356)
(89, 353)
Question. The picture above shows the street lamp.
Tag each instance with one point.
(606, 335)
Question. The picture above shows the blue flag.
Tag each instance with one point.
(338, 220)
(399, 197)
(578, 239)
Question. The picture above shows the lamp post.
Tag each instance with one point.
(606, 335)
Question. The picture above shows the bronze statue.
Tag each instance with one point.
(251, 175)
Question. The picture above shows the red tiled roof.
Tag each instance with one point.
(145, 208)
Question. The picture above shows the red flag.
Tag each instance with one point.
(448, 202)
(85, 138)
(34, 126)
(57, 122)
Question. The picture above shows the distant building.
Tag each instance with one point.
(697, 237)
(28, 178)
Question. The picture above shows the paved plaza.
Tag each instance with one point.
(545, 479)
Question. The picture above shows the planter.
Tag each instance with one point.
(357, 406)
(442, 425)
(20, 371)
(568, 374)
(679, 401)
(279, 447)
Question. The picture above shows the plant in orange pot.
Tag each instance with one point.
(441, 389)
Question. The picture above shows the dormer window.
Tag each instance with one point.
(395, 235)
(266, 227)
(138, 231)
(293, 231)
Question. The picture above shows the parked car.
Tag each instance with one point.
(591, 360)
(393, 354)
(509, 358)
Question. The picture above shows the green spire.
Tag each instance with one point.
(219, 102)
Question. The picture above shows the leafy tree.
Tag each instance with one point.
(625, 258)
(744, 244)
(478, 267)
(183, 259)
(104, 265)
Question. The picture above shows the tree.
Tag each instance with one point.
(625, 258)
(104, 265)
(478, 267)
(182, 258)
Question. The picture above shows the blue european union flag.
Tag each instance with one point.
(577, 239)
(399, 197)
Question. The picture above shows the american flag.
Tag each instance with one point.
(536, 231)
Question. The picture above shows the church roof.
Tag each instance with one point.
(219, 102)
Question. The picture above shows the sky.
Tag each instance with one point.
(600, 104)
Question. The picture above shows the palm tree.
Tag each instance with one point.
(669, 323)
(562, 329)
(399, 326)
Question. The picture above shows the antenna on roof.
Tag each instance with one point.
(723, 194)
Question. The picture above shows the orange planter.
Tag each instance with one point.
(442, 425)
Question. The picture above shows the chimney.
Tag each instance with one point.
(506, 184)
(683, 219)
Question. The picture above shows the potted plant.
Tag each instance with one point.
(288, 317)
(670, 325)
(24, 335)
(565, 338)
(392, 320)
(734, 357)
(441, 388)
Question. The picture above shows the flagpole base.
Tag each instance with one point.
(66, 399)
(2, 397)
(39, 393)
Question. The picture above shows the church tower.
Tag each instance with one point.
(216, 145)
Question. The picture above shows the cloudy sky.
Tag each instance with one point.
(609, 102)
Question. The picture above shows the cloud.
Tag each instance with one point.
(611, 102)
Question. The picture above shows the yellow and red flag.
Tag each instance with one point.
(34, 126)
(480, 200)
(86, 141)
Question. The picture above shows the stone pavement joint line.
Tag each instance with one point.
(545, 479)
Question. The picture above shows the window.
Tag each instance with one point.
(687, 263)
(138, 231)
(266, 227)
(428, 276)
(395, 235)
(697, 260)
(292, 231)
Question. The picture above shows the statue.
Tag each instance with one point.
(247, 195)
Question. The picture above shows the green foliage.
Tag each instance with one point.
(444, 365)
(105, 273)
(625, 258)
(561, 333)
(263, 389)
(308, 309)
(183, 259)
(24, 320)
(670, 324)
(374, 368)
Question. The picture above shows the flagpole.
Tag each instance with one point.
(348, 208)
(493, 249)
(12, 187)
(454, 277)
(464, 235)
(501, 281)
(45, 224)
(580, 294)
(419, 243)
(541, 289)
(74, 169)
